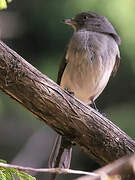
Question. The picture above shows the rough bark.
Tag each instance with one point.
(95, 134)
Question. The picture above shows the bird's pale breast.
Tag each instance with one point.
(90, 60)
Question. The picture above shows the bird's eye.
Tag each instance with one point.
(85, 17)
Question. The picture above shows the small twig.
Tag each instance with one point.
(47, 170)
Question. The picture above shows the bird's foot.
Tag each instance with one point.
(104, 114)
(94, 106)
(69, 91)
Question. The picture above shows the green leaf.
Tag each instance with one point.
(12, 170)
(2, 176)
(26, 176)
(3, 4)
(9, 174)
(3, 161)
(9, 1)
(22, 175)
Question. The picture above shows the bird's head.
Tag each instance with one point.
(92, 21)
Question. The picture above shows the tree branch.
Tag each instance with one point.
(81, 124)
(121, 169)
(47, 170)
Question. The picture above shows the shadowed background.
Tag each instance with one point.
(34, 30)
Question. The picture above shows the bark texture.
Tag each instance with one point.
(81, 124)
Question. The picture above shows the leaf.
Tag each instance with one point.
(3, 4)
(9, 1)
(22, 175)
(3, 161)
(2, 176)
(26, 176)
(9, 175)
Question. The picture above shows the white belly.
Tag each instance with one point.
(90, 60)
(88, 80)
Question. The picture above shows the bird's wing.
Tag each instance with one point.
(62, 68)
(116, 65)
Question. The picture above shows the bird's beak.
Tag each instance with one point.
(70, 22)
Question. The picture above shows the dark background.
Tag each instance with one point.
(34, 30)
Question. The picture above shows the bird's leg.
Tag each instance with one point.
(94, 105)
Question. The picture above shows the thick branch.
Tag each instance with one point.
(96, 135)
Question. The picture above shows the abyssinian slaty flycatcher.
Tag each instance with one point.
(91, 57)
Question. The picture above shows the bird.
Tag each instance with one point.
(91, 57)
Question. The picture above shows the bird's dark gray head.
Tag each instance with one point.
(92, 21)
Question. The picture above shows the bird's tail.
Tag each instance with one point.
(61, 154)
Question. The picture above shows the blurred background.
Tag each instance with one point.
(34, 30)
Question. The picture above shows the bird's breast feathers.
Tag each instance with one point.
(90, 60)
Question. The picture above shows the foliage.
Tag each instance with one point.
(11, 173)
(3, 3)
